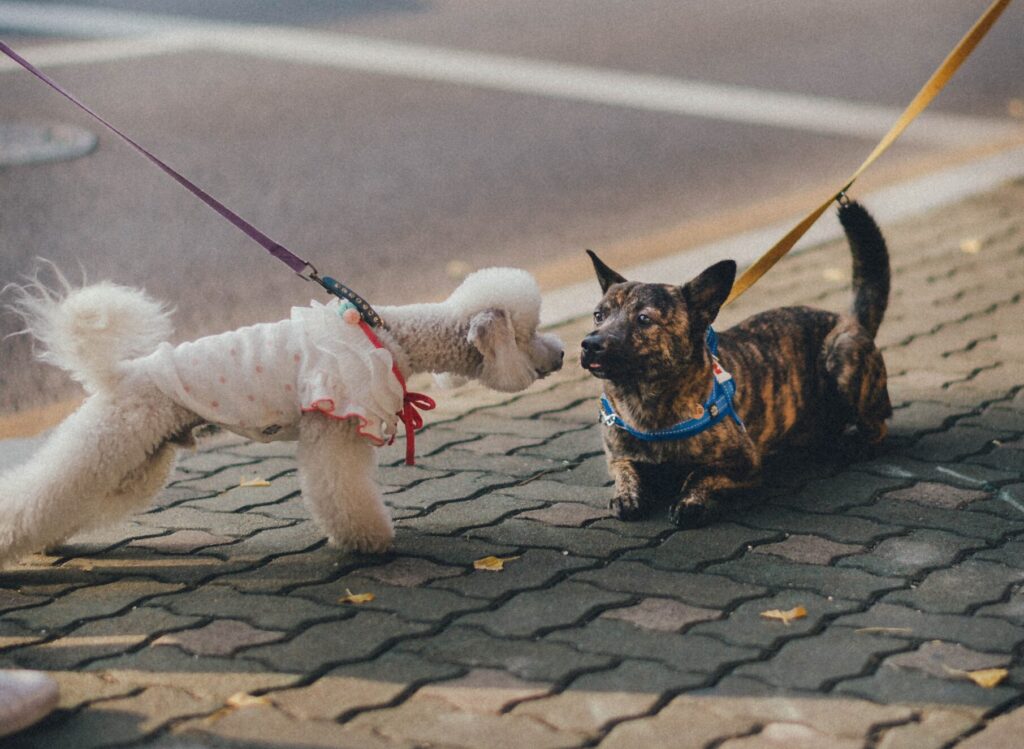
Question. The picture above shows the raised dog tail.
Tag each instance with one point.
(90, 331)
(870, 265)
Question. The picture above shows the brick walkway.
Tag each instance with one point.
(214, 620)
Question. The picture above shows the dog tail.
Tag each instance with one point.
(89, 331)
(870, 266)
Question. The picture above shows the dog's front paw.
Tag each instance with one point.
(626, 507)
(691, 512)
(364, 544)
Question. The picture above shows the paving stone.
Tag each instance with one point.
(435, 722)
(844, 529)
(592, 471)
(955, 443)
(543, 660)
(1001, 456)
(780, 574)
(411, 604)
(791, 736)
(912, 515)
(531, 613)
(260, 610)
(284, 570)
(694, 549)
(939, 659)
(661, 614)
(921, 416)
(119, 720)
(457, 517)
(745, 626)
(807, 549)
(11, 600)
(697, 589)
(835, 494)
(959, 588)
(456, 486)
(683, 652)
(183, 542)
(354, 638)
(457, 551)
(262, 725)
(980, 632)
(483, 690)
(935, 728)
(938, 495)
(1011, 608)
(815, 662)
(548, 490)
(100, 638)
(583, 542)
(912, 554)
(571, 514)
(14, 635)
(534, 568)
(891, 684)
(685, 723)
(217, 523)
(220, 637)
(359, 686)
(91, 602)
(1003, 732)
(410, 573)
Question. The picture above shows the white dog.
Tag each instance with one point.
(321, 377)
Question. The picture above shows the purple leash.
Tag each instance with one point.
(303, 268)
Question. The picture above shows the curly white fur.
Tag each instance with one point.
(115, 453)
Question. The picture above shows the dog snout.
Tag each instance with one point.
(593, 344)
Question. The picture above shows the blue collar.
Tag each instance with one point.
(717, 406)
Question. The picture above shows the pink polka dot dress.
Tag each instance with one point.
(258, 381)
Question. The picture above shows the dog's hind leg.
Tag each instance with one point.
(857, 371)
(106, 459)
(337, 475)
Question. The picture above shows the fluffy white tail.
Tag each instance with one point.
(89, 331)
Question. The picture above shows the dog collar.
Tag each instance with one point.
(717, 406)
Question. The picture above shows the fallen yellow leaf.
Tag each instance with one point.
(834, 274)
(237, 702)
(970, 246)
(987, 678)
(356, 598)
(492, 564)
(797, 612)
(253, 482)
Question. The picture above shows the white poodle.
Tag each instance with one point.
(322, 377)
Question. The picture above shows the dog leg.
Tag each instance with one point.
(337, 475)
(706, 491)
(106, 459)
(857, 369)
(628, 502)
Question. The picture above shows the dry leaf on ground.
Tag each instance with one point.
(237, 702)
(492, 564)
(797, 612)
(248, 483)
(970, 246)
(986, 678)
(356, 598)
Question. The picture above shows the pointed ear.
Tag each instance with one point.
(605, 275)
(706, 294)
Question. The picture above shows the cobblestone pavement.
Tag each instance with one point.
(215, 619)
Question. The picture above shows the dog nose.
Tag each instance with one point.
(593, 344)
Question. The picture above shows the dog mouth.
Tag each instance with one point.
(596, 367)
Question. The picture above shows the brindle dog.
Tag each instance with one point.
(802, 376)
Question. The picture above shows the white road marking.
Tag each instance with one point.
(485, 71)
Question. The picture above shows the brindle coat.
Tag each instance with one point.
(802, 376)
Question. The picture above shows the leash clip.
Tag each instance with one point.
(842, 198)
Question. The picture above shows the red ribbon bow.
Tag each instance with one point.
(413, 420)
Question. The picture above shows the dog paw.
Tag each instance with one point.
(364, 545)
(625, 507)
(690, 514)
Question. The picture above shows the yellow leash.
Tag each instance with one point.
(924, 97)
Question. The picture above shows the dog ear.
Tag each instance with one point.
(605, 275)
(504, 367)
(706, 294)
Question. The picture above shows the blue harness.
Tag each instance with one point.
(717, 406)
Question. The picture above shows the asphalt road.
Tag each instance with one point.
(393, 179)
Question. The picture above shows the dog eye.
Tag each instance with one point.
(644, 319)
(598, 316)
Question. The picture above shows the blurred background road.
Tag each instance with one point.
(399, 143)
